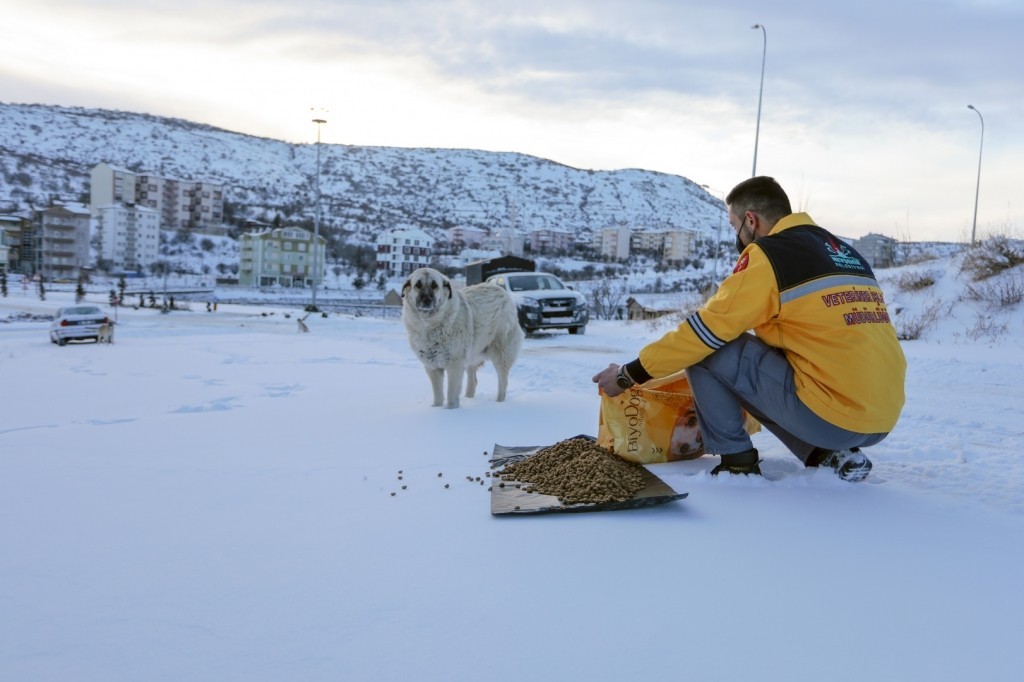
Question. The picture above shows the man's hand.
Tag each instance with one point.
(605, 380)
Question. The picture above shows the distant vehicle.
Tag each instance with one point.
(77, 322)
(544, 302)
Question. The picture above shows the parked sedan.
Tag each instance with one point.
(77, 322)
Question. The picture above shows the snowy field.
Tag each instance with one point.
(217, 497)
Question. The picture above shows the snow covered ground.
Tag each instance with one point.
(217, 497)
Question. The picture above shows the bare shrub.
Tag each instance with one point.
(912, 327)
(992, 256)
(986, 328)
(996, 293)
(914, 281)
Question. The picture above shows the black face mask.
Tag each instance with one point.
(739, 244)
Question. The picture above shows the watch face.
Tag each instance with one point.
(623, 382)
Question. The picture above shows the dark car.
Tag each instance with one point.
(544, 302)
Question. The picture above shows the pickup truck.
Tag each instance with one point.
(544, 302)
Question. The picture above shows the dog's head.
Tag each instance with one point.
(426, 290)
(687, 442)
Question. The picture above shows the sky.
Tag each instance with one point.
(272, 505)
(863, 111)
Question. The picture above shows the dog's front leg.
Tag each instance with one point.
(437, 383)
(455, 371)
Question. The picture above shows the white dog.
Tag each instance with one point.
(105, 333)
(457, 330)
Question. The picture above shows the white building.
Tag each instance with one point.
(286, 256)
(399, 252)
(127, 236)
(506, 241)
(467, 237)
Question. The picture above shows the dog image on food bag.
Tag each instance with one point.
(455, 331)
(686, 442)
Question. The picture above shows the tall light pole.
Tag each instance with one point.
(760, 92)
(316, 222)
(977, 187)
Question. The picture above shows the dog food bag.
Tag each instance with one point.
(656, 422)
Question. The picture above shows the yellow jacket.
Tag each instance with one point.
(802, 290)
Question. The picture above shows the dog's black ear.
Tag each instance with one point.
(448, 286)
(406, 287)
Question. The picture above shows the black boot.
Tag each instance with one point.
(745, 463)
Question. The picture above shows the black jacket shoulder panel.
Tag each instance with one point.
(806, 252)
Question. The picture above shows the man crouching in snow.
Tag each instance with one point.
(823, 370)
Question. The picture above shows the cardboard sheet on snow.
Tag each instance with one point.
(512, 500)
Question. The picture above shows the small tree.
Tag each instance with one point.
(121, 286)
(3, 283)
(79, 291)
(42, 289)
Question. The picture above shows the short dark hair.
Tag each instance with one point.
(760, 194)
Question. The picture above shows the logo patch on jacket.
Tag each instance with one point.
(841, 256)
(741, 264)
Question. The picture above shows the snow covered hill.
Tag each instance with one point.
(48, 151)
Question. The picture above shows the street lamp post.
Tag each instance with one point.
(760, 93)
(316, 222)
(977, 187)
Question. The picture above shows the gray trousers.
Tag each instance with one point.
(746, 373)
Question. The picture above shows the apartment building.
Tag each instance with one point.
(62, 249)
(551, 241)
(678, 245)
(127, 236)
(614, 242)
(12, 228)
(671, 245)
(399, 252)
(179, 203)
(877, 249)
(285, 256)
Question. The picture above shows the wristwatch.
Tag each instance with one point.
(622, 379)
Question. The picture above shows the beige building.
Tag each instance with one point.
(614, 242)
(672, 245)
(179, 203)
(679, 245)
(127, 236)
(551, 241)
(63, 241)
(285, 256)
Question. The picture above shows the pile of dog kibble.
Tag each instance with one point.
(577, 470)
